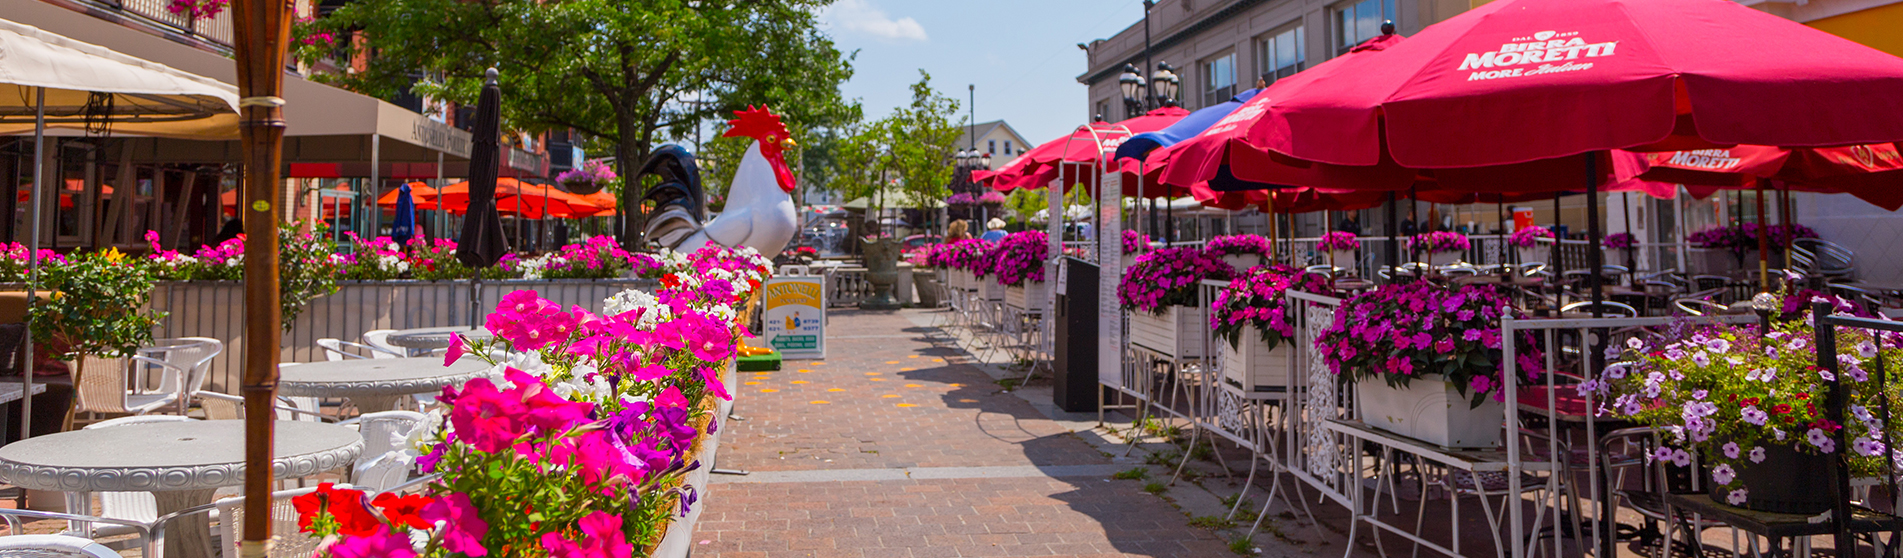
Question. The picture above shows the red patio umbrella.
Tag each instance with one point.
(1520, 80)
(1086, 144)
(424, 196)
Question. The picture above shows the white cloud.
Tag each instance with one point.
(860, 16)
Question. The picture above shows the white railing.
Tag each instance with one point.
(215, 309)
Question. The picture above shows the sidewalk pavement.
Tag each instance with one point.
(898, 446)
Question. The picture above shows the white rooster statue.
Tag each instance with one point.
(759, 211)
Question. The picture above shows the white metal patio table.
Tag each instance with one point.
(375, 384)
(1472, 462)
(432, 338)
(181, 463)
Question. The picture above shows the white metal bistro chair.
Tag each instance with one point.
(52, 546)
(385, 460)
(335, 350)
(287, 542)
(379, 341)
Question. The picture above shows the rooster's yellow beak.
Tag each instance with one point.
(788, 143)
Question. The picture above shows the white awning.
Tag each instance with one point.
(89, 83)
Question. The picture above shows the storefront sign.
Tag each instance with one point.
(796, 313)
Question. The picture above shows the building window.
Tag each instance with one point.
(1007, 148)
(991, 146)
(1280, 54)
(1219, 79)
(1359, 22)
(1103, 111)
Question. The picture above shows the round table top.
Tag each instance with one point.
(434, 337)
(376, 376)
(193, 455)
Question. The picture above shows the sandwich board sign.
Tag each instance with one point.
(796, 313)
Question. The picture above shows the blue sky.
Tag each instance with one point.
(1021, 54)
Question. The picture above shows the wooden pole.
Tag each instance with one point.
(262, 29)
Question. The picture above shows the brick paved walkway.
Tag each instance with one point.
(892, 447)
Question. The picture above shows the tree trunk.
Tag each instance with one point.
(629, 156)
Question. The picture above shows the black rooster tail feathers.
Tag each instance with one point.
(672, 205)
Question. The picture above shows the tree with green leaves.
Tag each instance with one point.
(924, 138)
(627, 74)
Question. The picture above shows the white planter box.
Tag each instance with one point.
(1178, 332)
(960, 279)
(1026, 297)
(1443, 258)
(1243, 262)
(1342, 258)
(1535, 254)
(679, 540)
(1431, 411)
(994, 292)
(1252, 366)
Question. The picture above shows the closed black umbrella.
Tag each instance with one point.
(481, 243)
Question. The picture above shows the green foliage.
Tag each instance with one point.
(1022, 204)
(1156, 488)
(1135, 473)
(1210, 522)
(98, 306)
(626, 74)
(1165, 458)
(307, 269)
(912, 146)
(1244, 546)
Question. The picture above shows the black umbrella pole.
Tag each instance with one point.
(1596, 257)
(1394, 239)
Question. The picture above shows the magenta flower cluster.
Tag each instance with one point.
(1745, 237)
(592, 176)
(1020, 257)
(1134, 243)
(961, 199)
(991, 198)
(1255, 298)
(1238, 245)
(1416, 328)
(1168, 277)
(1527, 237)
(1438, 242)
(1618, 241)
(965, 255)
(1339, 241)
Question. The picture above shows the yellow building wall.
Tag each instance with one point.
(1875, 27)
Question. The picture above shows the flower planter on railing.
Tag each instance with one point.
(1176, 332)
(1253, 366)
(1029, 295)
(1242, 262)
(1430, 410)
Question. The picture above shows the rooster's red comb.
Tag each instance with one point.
(757, 123)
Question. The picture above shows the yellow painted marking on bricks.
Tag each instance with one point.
(967, 401)
(907, 369)
(891, 362)
(872, 373)
(801, 382)
(753, 383)
(803, 371)
(876, 379)
(911, 356)
(768, 390)
(889, 395)
(938, 360)
(822, 402)
(913, 385)
(837, 389)
(907, 405)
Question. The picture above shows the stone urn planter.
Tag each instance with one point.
(882, 270)
(930, 293)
